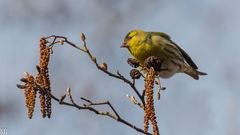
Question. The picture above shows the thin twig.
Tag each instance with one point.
(69, 93)
(117, 76)
(90, 106)
(116, 117)
(101, 103)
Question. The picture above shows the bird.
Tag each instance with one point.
(142, 45)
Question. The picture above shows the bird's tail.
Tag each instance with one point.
(194, 73)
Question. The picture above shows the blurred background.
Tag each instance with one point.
(208, 30)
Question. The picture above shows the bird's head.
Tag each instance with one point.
(134, 38)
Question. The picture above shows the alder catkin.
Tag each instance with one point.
(150, 114)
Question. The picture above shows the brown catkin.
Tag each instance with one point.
(149, 108)
(154, 124)
(26, 92)
(42, 44)
(45, 81)
(42, 103)
(30, 94)
(48, 96)
(146, 121)
(31, 101)
(39, 81)
(44, 57)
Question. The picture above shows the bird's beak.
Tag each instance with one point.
(124, 45)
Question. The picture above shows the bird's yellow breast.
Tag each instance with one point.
(142, 47)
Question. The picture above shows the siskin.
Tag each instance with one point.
(143, 44)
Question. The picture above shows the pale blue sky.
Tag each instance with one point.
(208, 30)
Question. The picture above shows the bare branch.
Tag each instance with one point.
(93, 59)
(90, 105)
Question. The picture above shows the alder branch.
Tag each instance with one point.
(89, 105)
(118, 75)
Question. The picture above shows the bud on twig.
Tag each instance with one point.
(25, 74)
(38, 68)
(68, 91)
(104, 66)
(82, 37)
(94, 59)
(134, 101)
(21, 86)
(24, 80)
(61, 42)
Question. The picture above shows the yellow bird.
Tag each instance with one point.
(143, 44)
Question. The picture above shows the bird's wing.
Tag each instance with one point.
(164, 35)
(185, 55)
